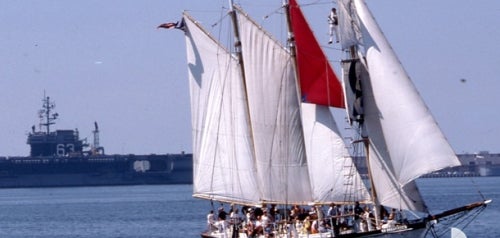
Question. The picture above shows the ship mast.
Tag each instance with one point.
(237, 42)
(46, 118)
(96, 136)
(239, 55)
(291, 45)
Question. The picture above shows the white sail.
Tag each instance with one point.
(405, 140)
(222, 145)
(331, 170)
(457, 233)
(390, 192)
(348, 25)
(333, 174)
(275, 117)
(255, 142)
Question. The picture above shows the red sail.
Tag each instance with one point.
(318, 82)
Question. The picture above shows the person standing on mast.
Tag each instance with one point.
(333, 22)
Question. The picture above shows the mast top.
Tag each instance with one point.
(46, 117)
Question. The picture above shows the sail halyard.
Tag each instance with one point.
(222, 148)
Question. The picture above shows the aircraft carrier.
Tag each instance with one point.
(61, 158)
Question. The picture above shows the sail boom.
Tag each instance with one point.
(229, 200)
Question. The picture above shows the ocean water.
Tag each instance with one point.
(170, 211)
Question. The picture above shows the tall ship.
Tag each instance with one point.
(61, 158)
(266, 143)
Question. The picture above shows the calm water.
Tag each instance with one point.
(169, 211)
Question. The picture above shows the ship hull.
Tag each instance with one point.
(417, 230)
(419, 233)
(101, 170)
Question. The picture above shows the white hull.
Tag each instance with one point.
(399, 232)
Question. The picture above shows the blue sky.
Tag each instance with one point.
(105, 61)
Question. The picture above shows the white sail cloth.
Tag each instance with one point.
(333, 174)
(405, 140)
(275, 116)
(222, 145)
(297, 166)
(249, 135)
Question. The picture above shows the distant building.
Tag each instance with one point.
(482, 163)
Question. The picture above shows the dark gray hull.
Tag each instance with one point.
(100, 170)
